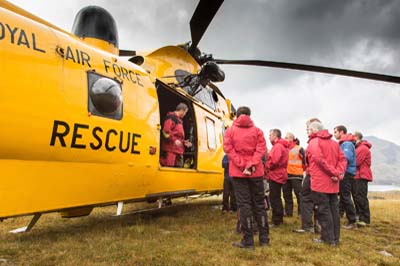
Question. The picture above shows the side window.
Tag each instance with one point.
(105, 96)
(211, 138)
(223, 130)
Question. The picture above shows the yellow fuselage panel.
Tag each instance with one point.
(44, 90)
(163, 62)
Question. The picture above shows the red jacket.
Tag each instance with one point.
(172, 131)
(347, 137)
(363, 157)
(277, 161)
(245, 146)
(325, 159)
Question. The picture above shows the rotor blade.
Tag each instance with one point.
(127, 53)
(311, 68)
(202, 16)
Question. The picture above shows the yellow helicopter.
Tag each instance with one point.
(81, 118)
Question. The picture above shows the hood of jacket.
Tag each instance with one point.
(284, 142)
(243, 121)
(347, 137)
(322, 134)
(365, 143)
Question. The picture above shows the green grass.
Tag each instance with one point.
(192, 234)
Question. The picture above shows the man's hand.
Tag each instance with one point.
(247, 171)
(341, 176)
(187, 143)
(334, 178)
(178, 143)
(253, 169)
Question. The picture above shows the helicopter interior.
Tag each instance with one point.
(168, 100)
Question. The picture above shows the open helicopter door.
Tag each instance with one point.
(168, 100)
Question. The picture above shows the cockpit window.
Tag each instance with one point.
(191, 85)
(205, 95)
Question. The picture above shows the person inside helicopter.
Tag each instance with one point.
(173, 141)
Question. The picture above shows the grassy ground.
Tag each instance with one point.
(193, 234)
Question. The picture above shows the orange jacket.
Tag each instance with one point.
(295, 163)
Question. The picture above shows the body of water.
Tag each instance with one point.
(379, 188)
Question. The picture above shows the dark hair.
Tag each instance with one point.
(243, 110)
(359, 135)
(297, 141)
(341, 128)
(181, 106)
(276, 132)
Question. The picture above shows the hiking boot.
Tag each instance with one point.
(276, 224)
(361, 224)
(241, 245)
(334, 244)
(320, 241)
(264, 244)
(303, 231)
(350, 226)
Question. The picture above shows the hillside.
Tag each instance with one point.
(385, 161)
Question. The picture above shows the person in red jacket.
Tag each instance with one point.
(245, 146)
(277, 163)
(173, 143)
(327, 165)
(362, 177)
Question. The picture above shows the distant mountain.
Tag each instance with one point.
(385, 161)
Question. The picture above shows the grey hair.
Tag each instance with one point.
(181, 106)
(316, 126)
(290, 134)
(314, 119)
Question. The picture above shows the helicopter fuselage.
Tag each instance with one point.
(57, 155)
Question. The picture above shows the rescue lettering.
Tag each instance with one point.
(77, 56)
(19, 37)
(109, 140)
(122, 73)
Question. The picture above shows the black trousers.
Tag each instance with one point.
(276, 202)
(228, 196)
(295, 186)
(345, 197)
(361, 200)
(307, 204)
(327, 209)
(353, 195)
(250, 200)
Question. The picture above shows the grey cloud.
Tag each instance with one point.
(357, 34)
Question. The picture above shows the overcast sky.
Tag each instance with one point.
(359, 34)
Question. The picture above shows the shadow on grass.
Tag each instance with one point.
(55, 227)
